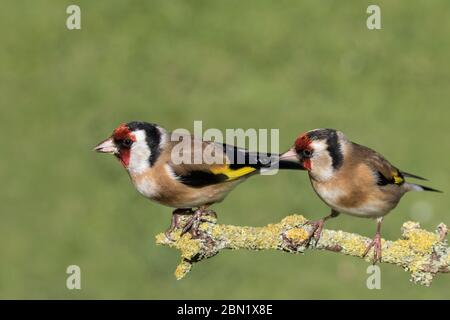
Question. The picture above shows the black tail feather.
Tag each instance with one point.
(410, 175)
(425, 188)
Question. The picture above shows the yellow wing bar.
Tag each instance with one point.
(232, 173)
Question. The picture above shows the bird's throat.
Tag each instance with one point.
(124, 157)
(307, 164)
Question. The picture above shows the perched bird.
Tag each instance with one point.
(350, 178)
(182, 171)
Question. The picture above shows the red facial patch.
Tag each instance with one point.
(124, 157)
(303, 142)
(307, 164)
(121, 133)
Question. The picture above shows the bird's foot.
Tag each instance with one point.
(376, 244)
(199, 216)
(175, 221)
(316, 232)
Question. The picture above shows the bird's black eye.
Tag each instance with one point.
(307, 153)
(127, 143)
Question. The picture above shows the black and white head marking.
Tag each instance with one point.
(147, 147)
(334, 147)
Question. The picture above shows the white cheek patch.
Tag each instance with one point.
(319, 146)
(139, 154)
(321, 162)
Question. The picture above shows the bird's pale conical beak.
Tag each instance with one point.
(107, 146)
(291, 157)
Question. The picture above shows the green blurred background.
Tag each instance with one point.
(293, 65)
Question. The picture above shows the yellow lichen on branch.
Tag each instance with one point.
(420, 252)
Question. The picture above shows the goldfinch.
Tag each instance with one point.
(350, 178)
(153, 158)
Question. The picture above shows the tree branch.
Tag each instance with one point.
(422, 253)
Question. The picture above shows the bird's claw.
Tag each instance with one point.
(376, 244)
(175, 221)
(315, 233)
(194, 221)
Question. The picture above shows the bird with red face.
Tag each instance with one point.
(162, 171)
(350, 178)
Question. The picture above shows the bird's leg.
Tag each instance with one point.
(375, 243)
(318, 227)
(195, 220)
(175, 221)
